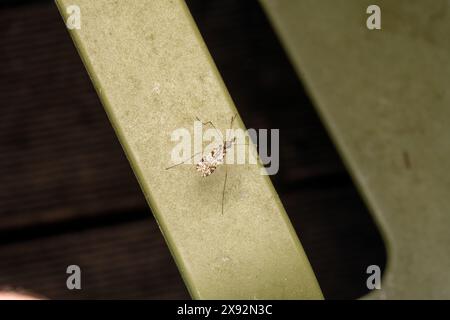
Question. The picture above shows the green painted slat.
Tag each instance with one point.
(154, 74)
(384, 97)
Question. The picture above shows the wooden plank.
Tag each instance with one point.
(60, 159)
(117, 261)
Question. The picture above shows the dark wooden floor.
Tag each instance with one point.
(68, 196)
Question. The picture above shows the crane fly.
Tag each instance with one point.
(216, 157)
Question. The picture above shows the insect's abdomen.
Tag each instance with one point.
(208, 164)
(205, 168)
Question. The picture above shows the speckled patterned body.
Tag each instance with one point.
(208, 164)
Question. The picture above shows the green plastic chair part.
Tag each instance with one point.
(154, 74)
(384, 97)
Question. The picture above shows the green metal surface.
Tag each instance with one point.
(384, 96)
(154, 74)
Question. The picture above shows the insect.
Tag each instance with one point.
(216, 157)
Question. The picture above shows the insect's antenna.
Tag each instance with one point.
(211, 124)
(231, 123)
(224, 186)
(232, 120)
(226, 167)
(175, 165)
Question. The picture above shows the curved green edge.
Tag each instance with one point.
(383, 95)
(153, 74)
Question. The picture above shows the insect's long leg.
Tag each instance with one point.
(231, 125)
(226, 166)
(211, 124)
(175, 165)
(224, 186)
